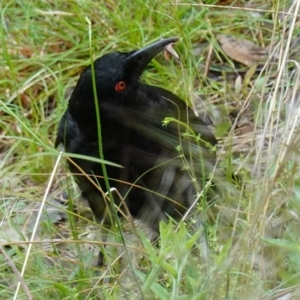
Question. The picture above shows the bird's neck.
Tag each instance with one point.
(83, 111)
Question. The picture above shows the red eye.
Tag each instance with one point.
(120, 86)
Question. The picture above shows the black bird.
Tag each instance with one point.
(163, 165)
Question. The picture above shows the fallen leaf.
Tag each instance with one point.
(25, 100)
(245, 129)
(26, 51)
(169, 50)
(242, 51)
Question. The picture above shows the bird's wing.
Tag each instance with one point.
(167, 104)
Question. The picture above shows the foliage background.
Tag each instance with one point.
(239, 64)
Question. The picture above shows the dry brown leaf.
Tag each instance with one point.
(245, 129)
(26, 51)
(25, 100)
(242, 51)
(169, 50)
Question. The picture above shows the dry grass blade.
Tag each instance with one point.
(17, 273)
(37, 223)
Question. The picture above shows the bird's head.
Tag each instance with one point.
(116, 76)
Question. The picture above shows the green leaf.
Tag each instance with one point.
(282, 244)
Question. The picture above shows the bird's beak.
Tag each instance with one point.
(139, 59)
